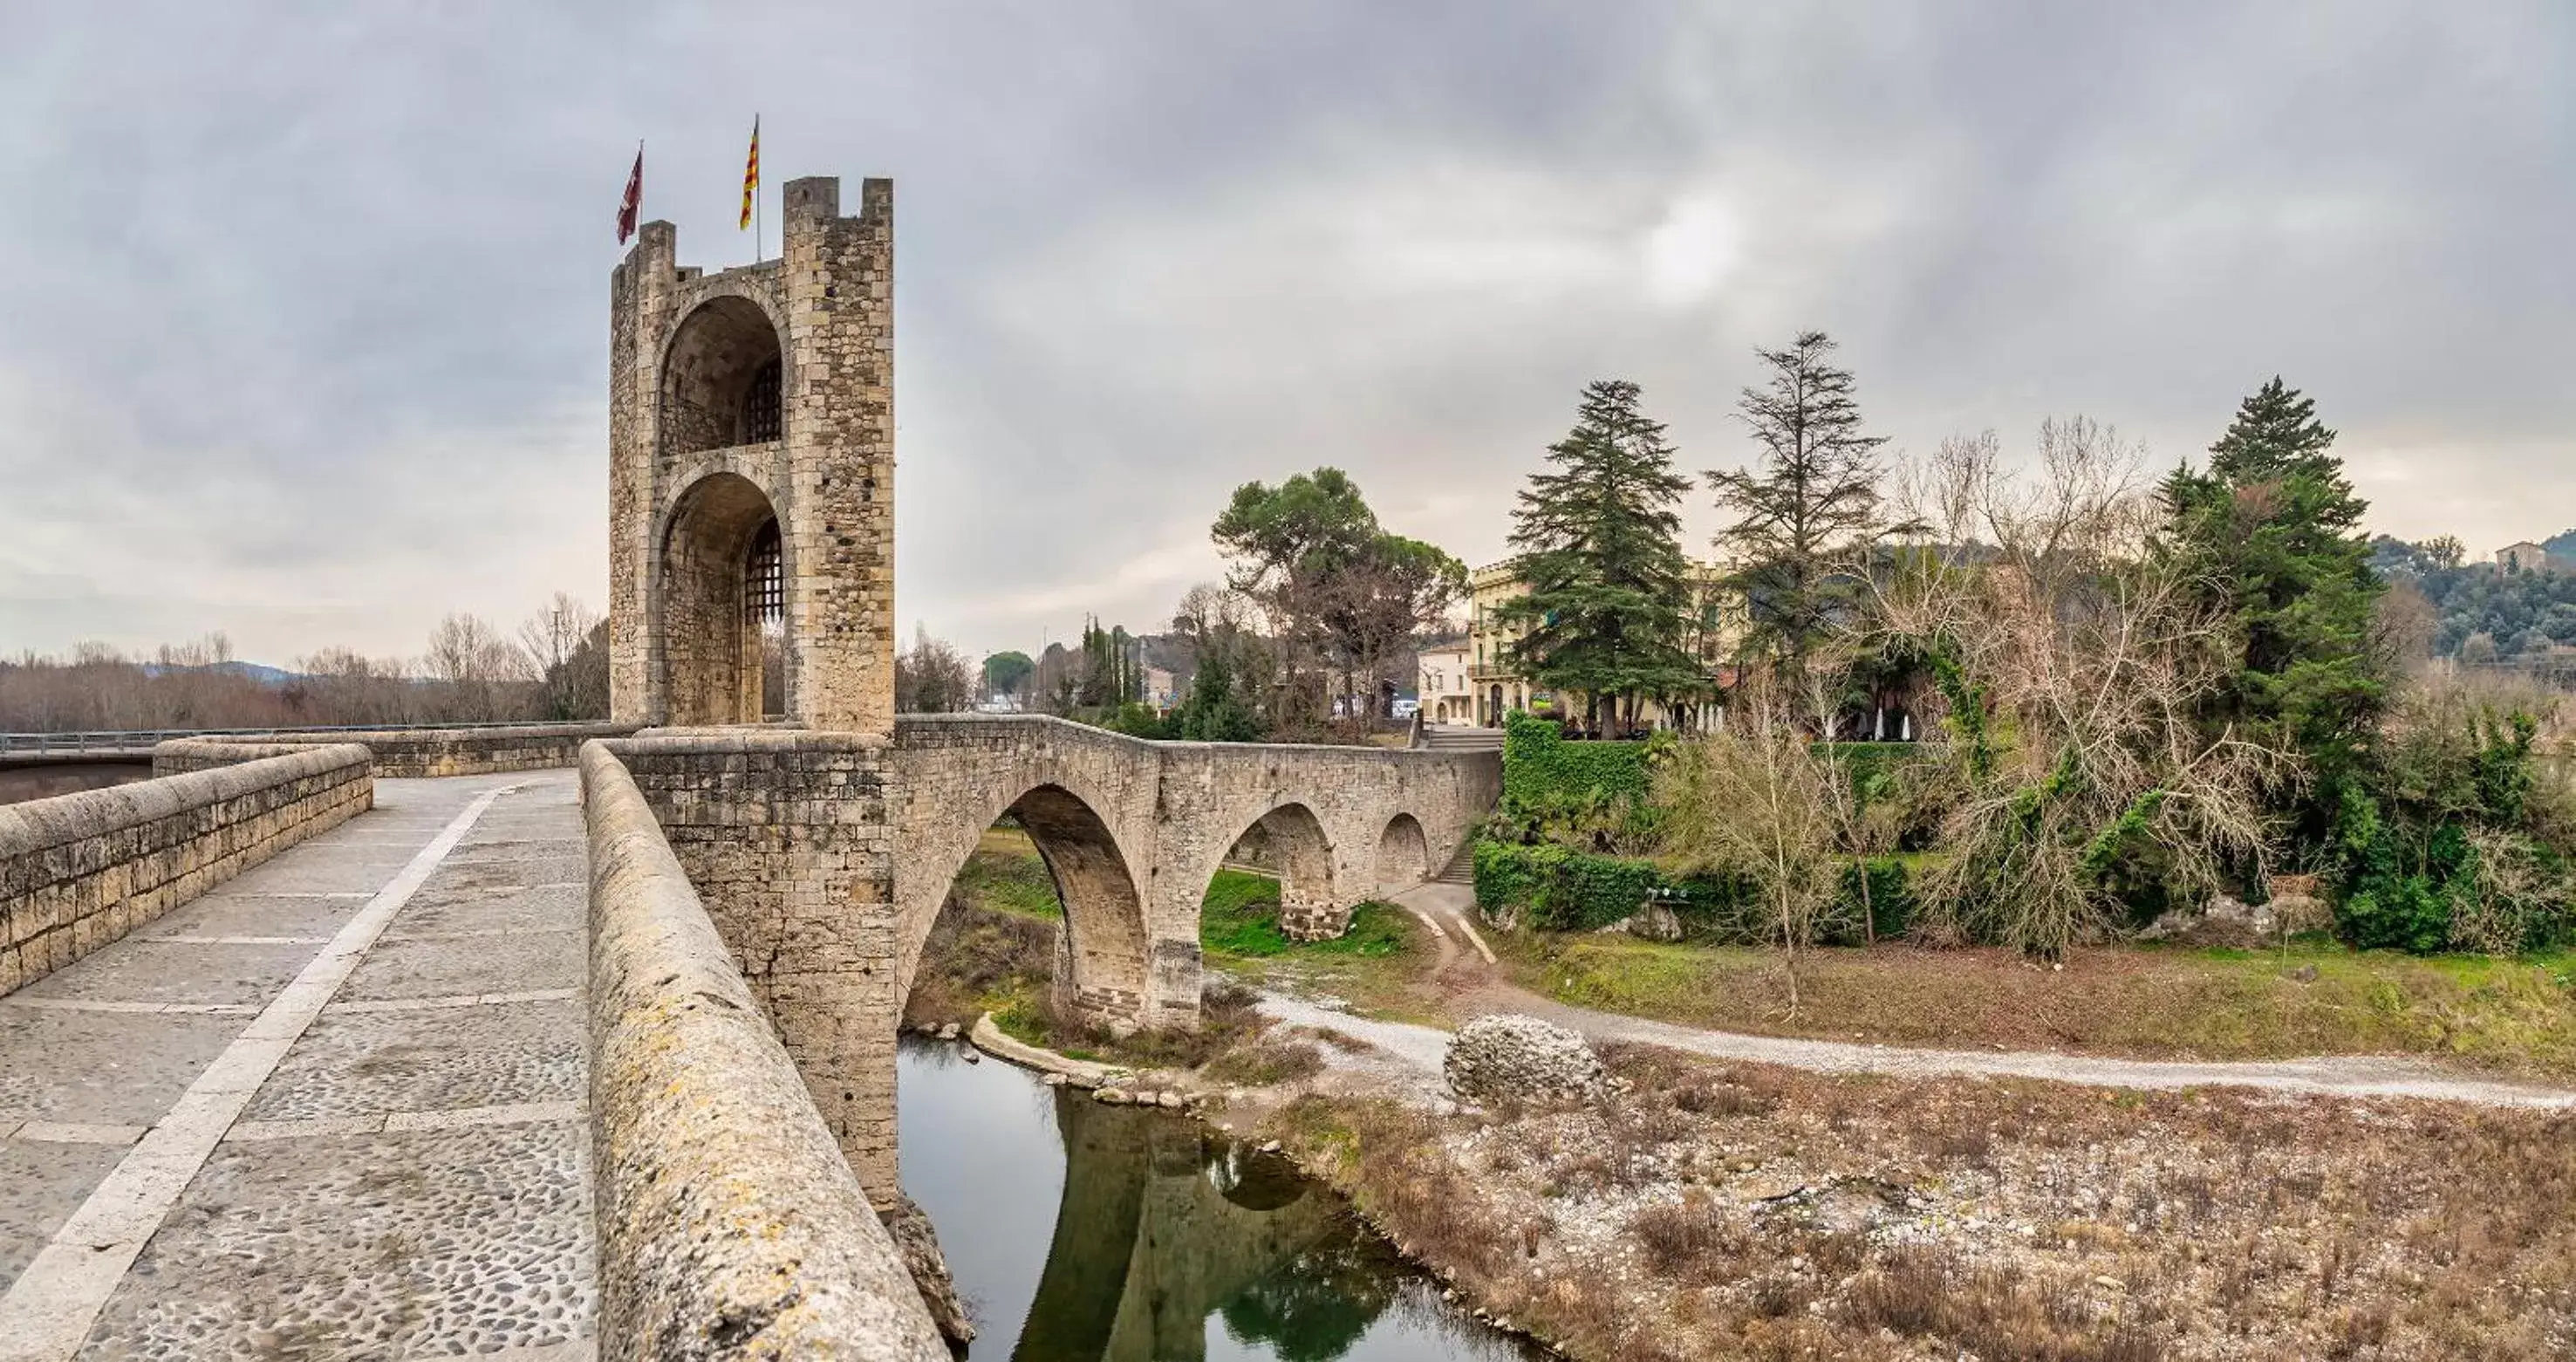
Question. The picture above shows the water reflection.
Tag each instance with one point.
(1159, 1244)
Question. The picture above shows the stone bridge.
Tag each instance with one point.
(823, 859)
(401, 1091)
(1133, 832)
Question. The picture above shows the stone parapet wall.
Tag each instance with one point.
(786, 836)
(730, 1226)
(78, 871)
(406, 753)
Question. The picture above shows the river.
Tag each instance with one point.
(1087, 1233)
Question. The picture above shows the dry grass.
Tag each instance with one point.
(978, 960)
(2499, 1015)
(1743, 1211)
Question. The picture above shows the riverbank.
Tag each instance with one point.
(1719, 1207)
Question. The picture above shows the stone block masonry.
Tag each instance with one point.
(729, 1224)
(401, 753)
(79, 871)
(751, 412)
(786, 836)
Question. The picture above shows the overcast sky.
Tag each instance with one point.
(304, 320)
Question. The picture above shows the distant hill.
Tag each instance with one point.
(264, 675)
(2561, 545)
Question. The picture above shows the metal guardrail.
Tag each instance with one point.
(144, 739)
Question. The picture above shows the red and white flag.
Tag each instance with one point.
(634, 198)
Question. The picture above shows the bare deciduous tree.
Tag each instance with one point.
(571, 670)
(932, 677)
(1760, 801)
(476, 667)
(2072, 663)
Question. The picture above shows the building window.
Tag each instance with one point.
(760, 409)
(764, 578)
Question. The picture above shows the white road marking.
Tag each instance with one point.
(500, 1114)
(534, 995)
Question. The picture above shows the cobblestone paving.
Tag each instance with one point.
(406, 1179)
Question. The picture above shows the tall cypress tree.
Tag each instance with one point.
(1598, 543)
(1811, 508)
(2273, 530)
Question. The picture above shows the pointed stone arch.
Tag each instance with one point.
(1102, 954)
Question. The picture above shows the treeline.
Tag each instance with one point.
(2483, 614)
(554, 668)
(2150, 692)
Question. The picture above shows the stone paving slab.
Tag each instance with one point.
(347, 870)
(358, 1063)
(438, 968)
(230, 914)
(105, 1067)
(348, 1174)
(442, 910)
(513, 876)
(366, 1246)
(41, 1184)
(476, 851)
(146, 971)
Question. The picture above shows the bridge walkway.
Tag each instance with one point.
(333, 1109)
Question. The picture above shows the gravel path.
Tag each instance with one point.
(1421, 1047)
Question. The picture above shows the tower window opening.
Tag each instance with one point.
(765, 577)
(760, 407)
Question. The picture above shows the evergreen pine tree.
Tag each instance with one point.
(2274, 530)
(1812, 508)
(1598, 543)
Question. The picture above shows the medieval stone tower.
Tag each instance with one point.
(751, 475)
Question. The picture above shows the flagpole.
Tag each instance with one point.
(759, 230)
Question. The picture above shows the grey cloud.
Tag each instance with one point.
(303, 335)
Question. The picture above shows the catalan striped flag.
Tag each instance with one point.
(751, 174)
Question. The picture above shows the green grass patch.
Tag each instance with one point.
(2316, 998)
(1005, 873)
(1240, 918)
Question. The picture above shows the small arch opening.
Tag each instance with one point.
(1287, 845)
(1403, 855)
(722, 379)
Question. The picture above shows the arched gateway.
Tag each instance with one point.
(751, 485)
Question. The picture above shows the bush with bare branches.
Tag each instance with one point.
(2072, 663)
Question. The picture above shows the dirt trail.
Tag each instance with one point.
(1468, 985)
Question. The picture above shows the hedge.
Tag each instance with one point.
(1572, 891)
(1541, 767)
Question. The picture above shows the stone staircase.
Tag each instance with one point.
(1461, 869)
(1459, 738)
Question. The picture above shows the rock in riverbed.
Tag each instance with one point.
(1514, 1058)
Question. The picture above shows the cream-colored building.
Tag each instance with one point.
(1498, 688)
(1440, 679)
(2525, 557)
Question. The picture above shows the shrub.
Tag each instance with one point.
(2445, 839)
(1573, 891)
(1562, 890)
